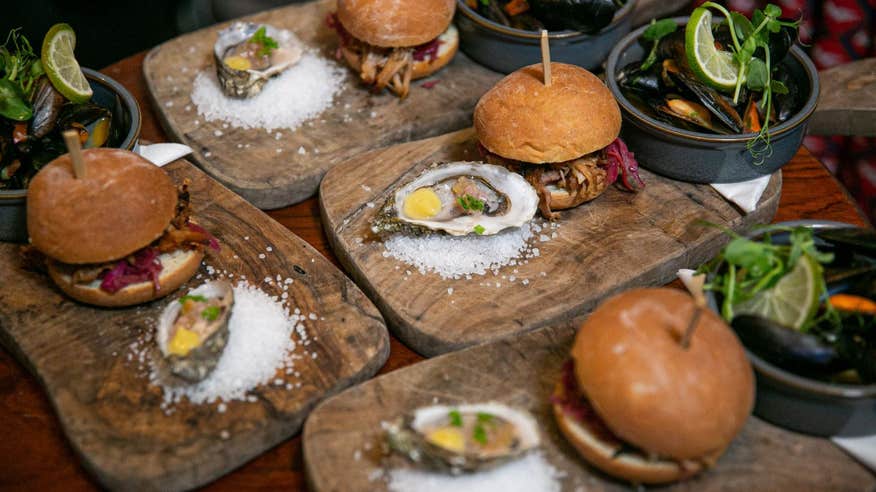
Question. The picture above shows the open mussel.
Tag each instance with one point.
(708, 98)
(856, 343)
(587, 16)
(786, 347)
(92, 122)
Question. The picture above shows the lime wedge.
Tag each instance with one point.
(61, 65)
(793, 300)
(711, 65)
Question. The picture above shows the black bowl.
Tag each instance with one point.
(705, 157)
(506, 49)
(107, 93)
(808, 405)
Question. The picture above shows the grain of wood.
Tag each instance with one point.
(107, 408)
(358, 121)
(618, 241)
(522, 372)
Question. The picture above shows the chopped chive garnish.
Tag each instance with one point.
(480, 434)
(211, 313)
(196, 298)
(455, 418)
(478, 229)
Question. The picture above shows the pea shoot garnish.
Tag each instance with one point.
(268, 44)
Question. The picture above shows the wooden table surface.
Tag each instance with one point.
(34, 453)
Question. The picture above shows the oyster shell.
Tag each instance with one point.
(196, 352)
(464, 438)
(461, 198)
(243, 83)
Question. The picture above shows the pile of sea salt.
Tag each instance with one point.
(454, 257)
(298, 94)
(261, 344)
(532, 473)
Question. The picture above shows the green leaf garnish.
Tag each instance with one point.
(210, 313)
(267, 43)
(196, 298)
(479, 434)
(478, 229)
(470, 203)
(654, 32)
(455, 418)
(484, 417)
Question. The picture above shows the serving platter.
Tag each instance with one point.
(270, 172)
(88, 360)
(342, 436)
(618, 241)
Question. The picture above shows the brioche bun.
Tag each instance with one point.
(177, 268)
(122, 204)
(522, 119)
(395, 23)
(681, 404)
(422, 68)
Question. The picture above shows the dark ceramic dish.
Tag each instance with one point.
(808, 405)
(107, 93)
(505, 49)
(705, 157)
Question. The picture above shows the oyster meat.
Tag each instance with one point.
(248, 54)
(193, 330)
(459, 198)
(464, 438)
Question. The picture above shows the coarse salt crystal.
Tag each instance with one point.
(262, 256)
(532, 473)
(301, 150)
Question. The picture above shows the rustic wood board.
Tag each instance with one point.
(618, 241)
(522, 371)
(358, 121)
(111, 414)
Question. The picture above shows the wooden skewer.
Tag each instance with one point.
(695, 287)
(546, 57)
(71, 139)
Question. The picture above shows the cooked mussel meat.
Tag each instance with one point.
(586, 16)
(709, 98)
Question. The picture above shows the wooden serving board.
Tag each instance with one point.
(342, 436)
(618, 241)
(110, 412)
(358, 121)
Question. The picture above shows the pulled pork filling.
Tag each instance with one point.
(384, 67)
(584, 178)
(144, 264)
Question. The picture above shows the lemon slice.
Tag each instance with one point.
(793, 300)
(711, 65)
(61, 65)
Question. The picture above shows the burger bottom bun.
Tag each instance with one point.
(423, 68)
(178, 267)
(633, 467)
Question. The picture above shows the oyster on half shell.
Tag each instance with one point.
(458, 198)
(464, 438)
(193, 330)
(242, 67)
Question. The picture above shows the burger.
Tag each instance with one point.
(391, 42)
(638, 403)
(562, 137)
(120, 235)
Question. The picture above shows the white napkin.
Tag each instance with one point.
(745, 194)
(863, 448)
(163, 153)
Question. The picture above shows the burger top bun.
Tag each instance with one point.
(521, 118)
(676, 402)
(395, 23)
(124, 203)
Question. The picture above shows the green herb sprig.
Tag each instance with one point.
(656, 31)
(20, 68)
(210, 313)
(756, 74)
(470, 203)
(455, 418)
(268, 44)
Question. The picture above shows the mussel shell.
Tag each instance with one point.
(587, 16)
(200, 361)
(856, 343)
(786, 347)
(646, 82)
(710, 98)
(47, 104)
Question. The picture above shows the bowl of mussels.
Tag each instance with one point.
(714, 98)
(505, 35)
(38, 102)
(801, 296)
